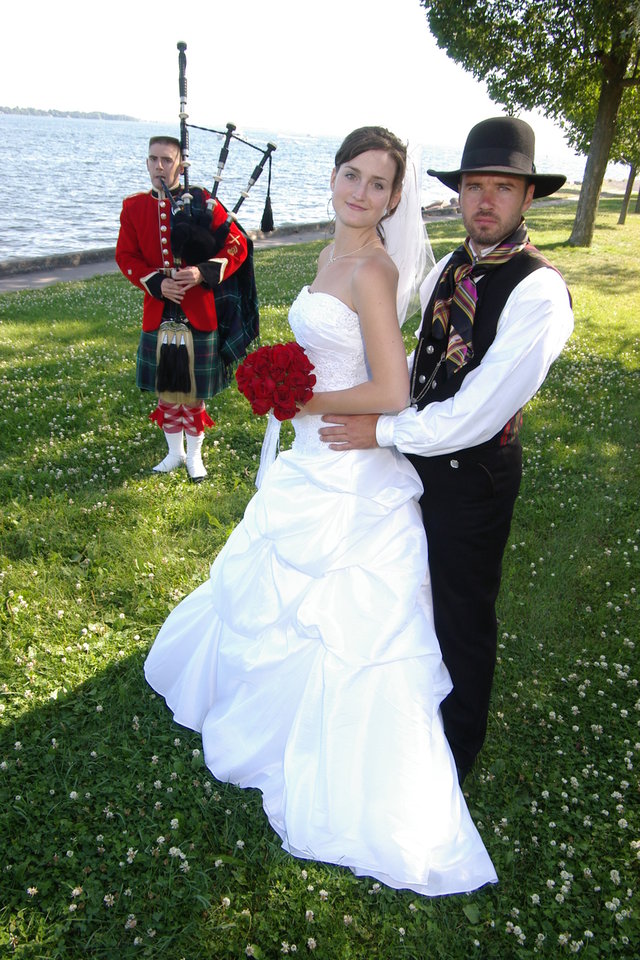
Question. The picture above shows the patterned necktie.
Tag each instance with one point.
(456, 297)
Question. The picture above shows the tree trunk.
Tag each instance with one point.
(637, 207)
(627, 194)
(603, 134)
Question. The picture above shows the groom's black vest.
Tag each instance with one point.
(429, 378)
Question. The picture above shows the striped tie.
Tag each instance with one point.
(454, 307)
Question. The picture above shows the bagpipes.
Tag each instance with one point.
(194, 242)
(191, 212)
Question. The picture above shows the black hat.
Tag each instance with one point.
(501, 145)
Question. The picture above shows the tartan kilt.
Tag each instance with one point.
(209, 370)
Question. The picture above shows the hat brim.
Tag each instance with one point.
(545, 183)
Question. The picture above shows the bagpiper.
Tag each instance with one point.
(181, 262)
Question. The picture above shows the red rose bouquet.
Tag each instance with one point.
(277, 378)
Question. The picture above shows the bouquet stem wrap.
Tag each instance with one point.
(270, 447)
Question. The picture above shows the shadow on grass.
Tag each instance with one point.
(90, 783)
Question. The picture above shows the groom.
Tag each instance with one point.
(496, 314)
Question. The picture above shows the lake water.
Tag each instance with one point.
(64, 179)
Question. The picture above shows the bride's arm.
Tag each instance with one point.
(373, 292)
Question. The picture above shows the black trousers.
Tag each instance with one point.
(467, 507)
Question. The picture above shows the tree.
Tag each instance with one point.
(579, 122)
(626, 149)
(551, 54)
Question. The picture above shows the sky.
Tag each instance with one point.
(285, 66)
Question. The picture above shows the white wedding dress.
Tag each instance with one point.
(309, 661)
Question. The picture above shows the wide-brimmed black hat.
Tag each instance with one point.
(501, 145)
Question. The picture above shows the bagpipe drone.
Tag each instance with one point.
(191, 212)
(193, 242)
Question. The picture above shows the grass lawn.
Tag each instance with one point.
(116, 842)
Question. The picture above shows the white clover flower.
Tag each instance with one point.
(311, 943)
(174, 824)
(32, 891)
(309, 916)
(226, 902)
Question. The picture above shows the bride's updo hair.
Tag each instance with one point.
(375, 138)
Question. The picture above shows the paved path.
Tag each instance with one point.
(37, 279)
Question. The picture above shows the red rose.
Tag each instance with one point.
(277, 377)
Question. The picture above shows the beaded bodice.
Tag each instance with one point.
(330, 333)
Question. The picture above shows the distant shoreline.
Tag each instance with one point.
(66, 114)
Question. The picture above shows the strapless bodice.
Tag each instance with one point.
(330, 333)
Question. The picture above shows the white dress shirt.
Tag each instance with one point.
(533, 327)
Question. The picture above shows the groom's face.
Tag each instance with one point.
(492, 205)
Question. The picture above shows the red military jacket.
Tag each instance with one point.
(143, 253)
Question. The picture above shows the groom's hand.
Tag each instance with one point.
(356, 432)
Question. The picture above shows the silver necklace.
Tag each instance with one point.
(340, 256)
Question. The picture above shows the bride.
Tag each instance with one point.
(308, 661)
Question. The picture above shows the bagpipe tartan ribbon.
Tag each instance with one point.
(454, 307)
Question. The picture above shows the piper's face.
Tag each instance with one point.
(164, 163)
